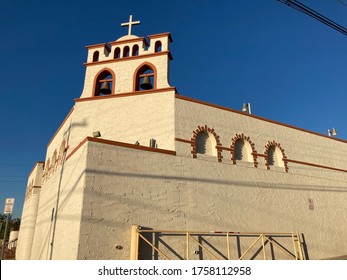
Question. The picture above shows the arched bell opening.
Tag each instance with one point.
(157, 46)
(116, 53)
(145, 78)
(135, 51)
(126, 51)
(104, 83)
(95, 56)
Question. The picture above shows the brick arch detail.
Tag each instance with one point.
(241, 136)
(62, 151)
(54, 160)
(47, 169)
(205, 128)
(57, 159)
(273, 143)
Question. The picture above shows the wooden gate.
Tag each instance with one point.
(214, 245)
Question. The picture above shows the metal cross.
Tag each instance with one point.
(130, 23)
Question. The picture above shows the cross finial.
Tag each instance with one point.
(130, 24)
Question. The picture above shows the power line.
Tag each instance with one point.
(11, 176)
(12, 181)
(343, 3)
(15, 164)
(308, 11)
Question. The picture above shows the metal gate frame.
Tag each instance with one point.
(264, 238)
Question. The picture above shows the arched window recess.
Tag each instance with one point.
(205, 142)
(243, 150)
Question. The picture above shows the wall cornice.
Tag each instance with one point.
(120, 144)
(126, 94)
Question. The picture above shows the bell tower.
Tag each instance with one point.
(129, 65)
(126, 95)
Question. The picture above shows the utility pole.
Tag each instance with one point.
(4, 239)
(7, 211)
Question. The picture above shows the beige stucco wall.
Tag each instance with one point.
(127, 119)
(71, 180)
(29, 214)
(164, 192)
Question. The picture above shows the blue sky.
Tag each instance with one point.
(291, 67)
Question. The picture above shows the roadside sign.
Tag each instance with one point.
(9, 205)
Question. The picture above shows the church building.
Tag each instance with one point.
(138, 171)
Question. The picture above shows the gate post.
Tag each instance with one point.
(134, 243)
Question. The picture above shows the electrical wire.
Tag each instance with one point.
(343, 3)
(308, 11)
(11, 176)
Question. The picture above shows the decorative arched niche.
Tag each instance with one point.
(206, 144)
(47, 168)
(104, 76)
(243, 149)
(275, 156)
(205, 141)
(62, 151)
(54, 161)
(145, 70)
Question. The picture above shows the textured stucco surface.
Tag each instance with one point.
(29, 214)
(127, 119)
(71, 179)
(178, 193)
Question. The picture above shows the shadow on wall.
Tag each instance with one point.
(147, 250)
(244, 184)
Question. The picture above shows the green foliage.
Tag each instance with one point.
(13, 224)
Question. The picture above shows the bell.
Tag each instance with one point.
(146, 83)
(105, 88)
